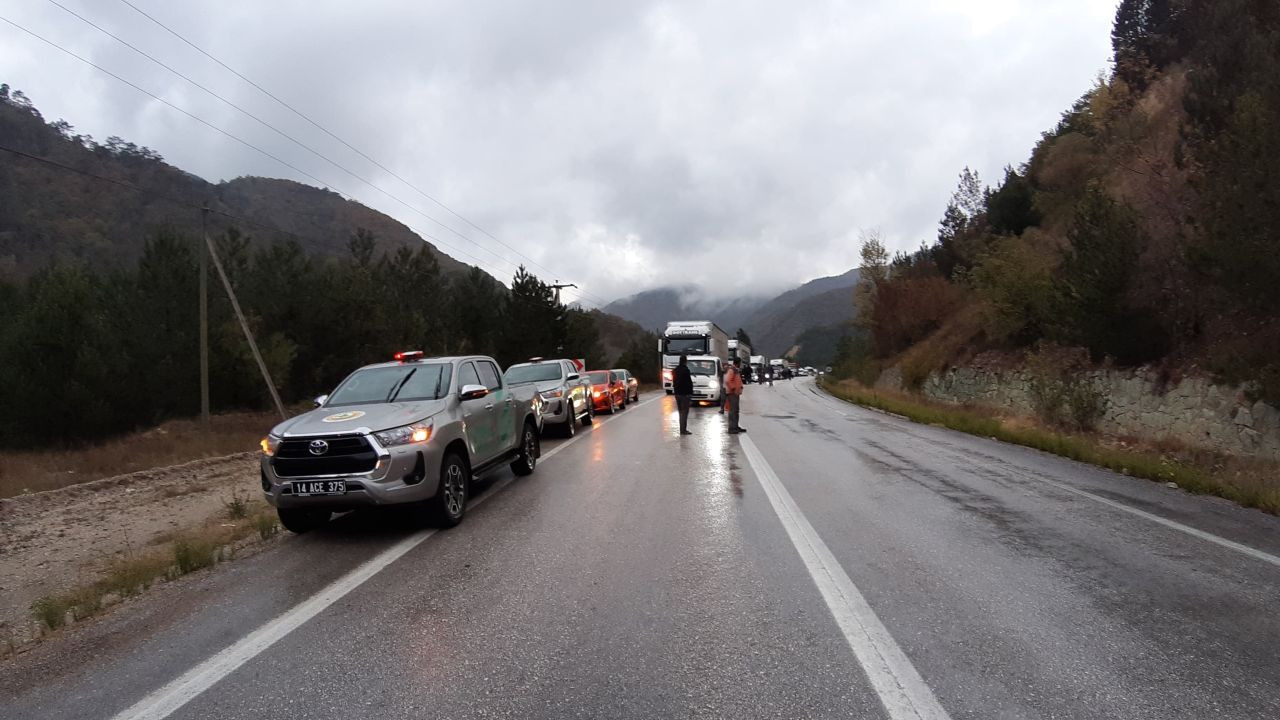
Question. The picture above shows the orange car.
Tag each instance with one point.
(608, 390)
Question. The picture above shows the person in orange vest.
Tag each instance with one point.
(733, 395)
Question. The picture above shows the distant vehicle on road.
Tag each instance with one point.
(414, 431)
(608, 391)
(759, 368)
(706, 379)
(632, 384)
(565, 392)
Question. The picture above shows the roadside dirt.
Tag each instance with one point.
(62, 539)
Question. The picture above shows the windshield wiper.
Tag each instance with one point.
(395, 389)
(439, 379)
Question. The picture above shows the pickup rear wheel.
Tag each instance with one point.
(527, 460)
(590, 417)
(450, 502)
(300, 520)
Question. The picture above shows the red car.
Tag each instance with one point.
(608, 390)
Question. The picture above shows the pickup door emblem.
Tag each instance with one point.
(318, 447)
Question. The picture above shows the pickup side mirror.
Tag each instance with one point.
(573, 376)
(473, 392)
(321, 400)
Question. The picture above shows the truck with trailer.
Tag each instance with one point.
(707, 348)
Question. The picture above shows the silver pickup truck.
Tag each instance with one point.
(565, 391)
(412, 431)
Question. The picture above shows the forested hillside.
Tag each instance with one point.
(98, 301)
(803, 315)
(1144, 228)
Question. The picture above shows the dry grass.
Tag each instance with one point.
(1251, 483)
(187, 552)
(174, 442)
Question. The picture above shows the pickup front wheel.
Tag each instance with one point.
(450, 502)
(527, 460)
(571, 424)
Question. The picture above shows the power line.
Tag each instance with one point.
(271, 127)
(230, 216)
(479, 263)
(331, 134)
(250, 145)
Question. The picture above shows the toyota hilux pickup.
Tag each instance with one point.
(414, 431)
(565, 391)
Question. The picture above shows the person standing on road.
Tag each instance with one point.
(682, 386)
(724, 397)
(733, 393)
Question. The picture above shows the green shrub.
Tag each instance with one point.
(190, 555)
(236, 506)
(1062, 394)
(267, 525)
(51, 611)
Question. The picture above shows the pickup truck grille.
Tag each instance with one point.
(347, 455)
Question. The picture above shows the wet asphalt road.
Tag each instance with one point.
(638, 574)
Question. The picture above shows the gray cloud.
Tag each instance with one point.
(733, 145)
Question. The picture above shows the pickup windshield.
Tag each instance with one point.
(521, 374)
(402, 383)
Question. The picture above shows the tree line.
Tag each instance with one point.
(86, 353)
(1143, 230)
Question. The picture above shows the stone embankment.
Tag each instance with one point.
(1192, 411)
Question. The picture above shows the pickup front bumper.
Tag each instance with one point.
(373, 475)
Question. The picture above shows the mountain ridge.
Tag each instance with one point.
(107, 197)
(773, 323)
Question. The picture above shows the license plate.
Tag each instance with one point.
(320, 487)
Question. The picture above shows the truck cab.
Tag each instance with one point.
(701, 339)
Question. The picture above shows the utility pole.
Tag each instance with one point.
(204, 317)
(244, 325)
(556, 286)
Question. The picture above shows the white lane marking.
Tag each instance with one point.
(1173, 524)
(1159, 520)
(902, 691)
(172, 696)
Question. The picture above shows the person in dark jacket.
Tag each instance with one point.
(682, 386)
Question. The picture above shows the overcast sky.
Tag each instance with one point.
(737, 145)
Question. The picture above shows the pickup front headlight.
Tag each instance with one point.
(714, 383)
(552, 394)
(269, 445)
(415, 433)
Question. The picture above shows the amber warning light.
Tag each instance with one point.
(408, 355)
